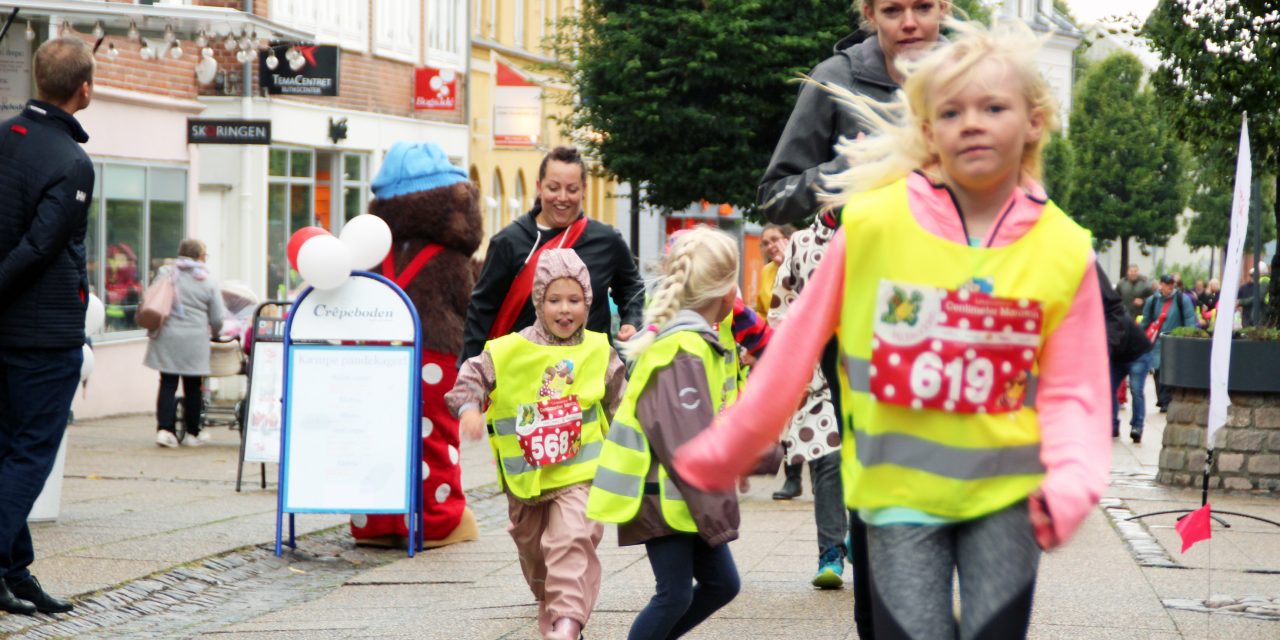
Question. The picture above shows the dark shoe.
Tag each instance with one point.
(790, 489)
(30, 589)
(1137, 438)
(14, 604)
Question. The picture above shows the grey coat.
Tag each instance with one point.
(181, 346)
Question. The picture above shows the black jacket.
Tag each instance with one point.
(1126, 341)
(613, 272)
(806, 150)
(46, 186)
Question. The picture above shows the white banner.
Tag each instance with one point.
(1220, 360)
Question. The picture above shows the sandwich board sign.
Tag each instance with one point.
(351, 424)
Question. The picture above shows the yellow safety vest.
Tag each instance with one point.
(521, 369)
(618, 489)
(957, 466)
(735, 373)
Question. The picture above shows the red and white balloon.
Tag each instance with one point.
(325, 261)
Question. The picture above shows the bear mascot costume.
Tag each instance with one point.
(433, 211)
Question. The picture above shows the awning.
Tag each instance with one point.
(150, 20)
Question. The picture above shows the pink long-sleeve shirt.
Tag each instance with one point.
(1070, 400)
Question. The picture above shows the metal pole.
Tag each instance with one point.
(635, 220)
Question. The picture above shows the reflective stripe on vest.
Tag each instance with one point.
(732, 367)
(525, 372)
(625, 460)
(957, 466)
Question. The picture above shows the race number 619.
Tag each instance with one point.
(974, 379)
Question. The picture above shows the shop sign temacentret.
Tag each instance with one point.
(300, 71)
(228, 131)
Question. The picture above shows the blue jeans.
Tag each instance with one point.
(678, 606)
(36, 388)
(1137, 388)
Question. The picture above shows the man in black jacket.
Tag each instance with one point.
(46, 182)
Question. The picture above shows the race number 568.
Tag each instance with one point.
(931, 376)
(548, 447)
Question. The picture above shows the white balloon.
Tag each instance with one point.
(86, 369)
(324, 262)
(95, 316)
(369, 239)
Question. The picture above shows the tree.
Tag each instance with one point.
(1211, 196)
(1219, 60)
(1128, 171)
(1058, 170)
(689, 97)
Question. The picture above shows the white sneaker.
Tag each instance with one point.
(166, 439)
(197, 440)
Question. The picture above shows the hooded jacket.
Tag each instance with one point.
(806, 149)
(601, 248)
(46, 184)
(476, 378)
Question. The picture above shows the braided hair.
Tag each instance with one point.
(700, 268)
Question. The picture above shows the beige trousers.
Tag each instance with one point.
(557, 546)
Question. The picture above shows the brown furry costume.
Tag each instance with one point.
(448, 216)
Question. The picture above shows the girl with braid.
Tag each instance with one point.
(683, 375)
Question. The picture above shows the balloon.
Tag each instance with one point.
(299, 238)
(369, 239)
(206, 70)
(86, 368)
(94, 316)
(324, 262)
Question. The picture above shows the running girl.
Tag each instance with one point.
(548, 388)
(972, 342)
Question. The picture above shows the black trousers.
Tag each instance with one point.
(167, 403)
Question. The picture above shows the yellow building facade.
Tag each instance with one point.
(514, 101)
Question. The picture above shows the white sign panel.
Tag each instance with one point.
(361, 309)
(262, 428)
(15, 73)
(350, 429)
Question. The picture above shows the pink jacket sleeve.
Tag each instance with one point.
(714, 460)
(1074, 411)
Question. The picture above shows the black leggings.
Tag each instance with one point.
(167, 403)
(678, 606)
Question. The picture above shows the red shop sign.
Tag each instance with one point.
(435, 89)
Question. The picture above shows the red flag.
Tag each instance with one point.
(1194, 527)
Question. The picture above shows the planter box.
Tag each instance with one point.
(1255, 365)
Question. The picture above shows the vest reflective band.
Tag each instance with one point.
(957, 466)
(618, 489)
(735, 373)
(521, 369)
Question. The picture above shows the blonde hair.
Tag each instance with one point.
(897, 145)
(700, 268)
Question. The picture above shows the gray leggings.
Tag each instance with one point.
(995, 557)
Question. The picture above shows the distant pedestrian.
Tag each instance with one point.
(676, 387)
(551, 389)
(179, 349)
(47, 179)
(773, 243)
(1135, 289)
(972, 343)
(1165, 311)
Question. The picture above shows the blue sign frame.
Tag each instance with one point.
(414, 509)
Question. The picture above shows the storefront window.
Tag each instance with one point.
(355, 185)
(136, 220)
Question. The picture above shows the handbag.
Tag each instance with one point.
(157, 303)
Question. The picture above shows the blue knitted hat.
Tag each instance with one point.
(411, 167)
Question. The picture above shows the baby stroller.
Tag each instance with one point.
(224, 388)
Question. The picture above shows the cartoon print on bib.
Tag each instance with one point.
(963, 350)
(550, 430)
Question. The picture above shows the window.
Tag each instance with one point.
(341, 22)
(396, 24)
(518, 19)
(447, 23)
(309, 188)
(495, 203)
(136, 220)
(493, 19)
(477, 17)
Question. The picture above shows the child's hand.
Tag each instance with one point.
(1041, 521)
(471, 424)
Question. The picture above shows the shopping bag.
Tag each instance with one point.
(157, 304)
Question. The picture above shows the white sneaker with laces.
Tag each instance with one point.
(166, 438)
(197, 440)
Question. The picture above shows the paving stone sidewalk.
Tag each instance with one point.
(155, 543)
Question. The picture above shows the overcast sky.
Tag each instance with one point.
(1087, 11)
